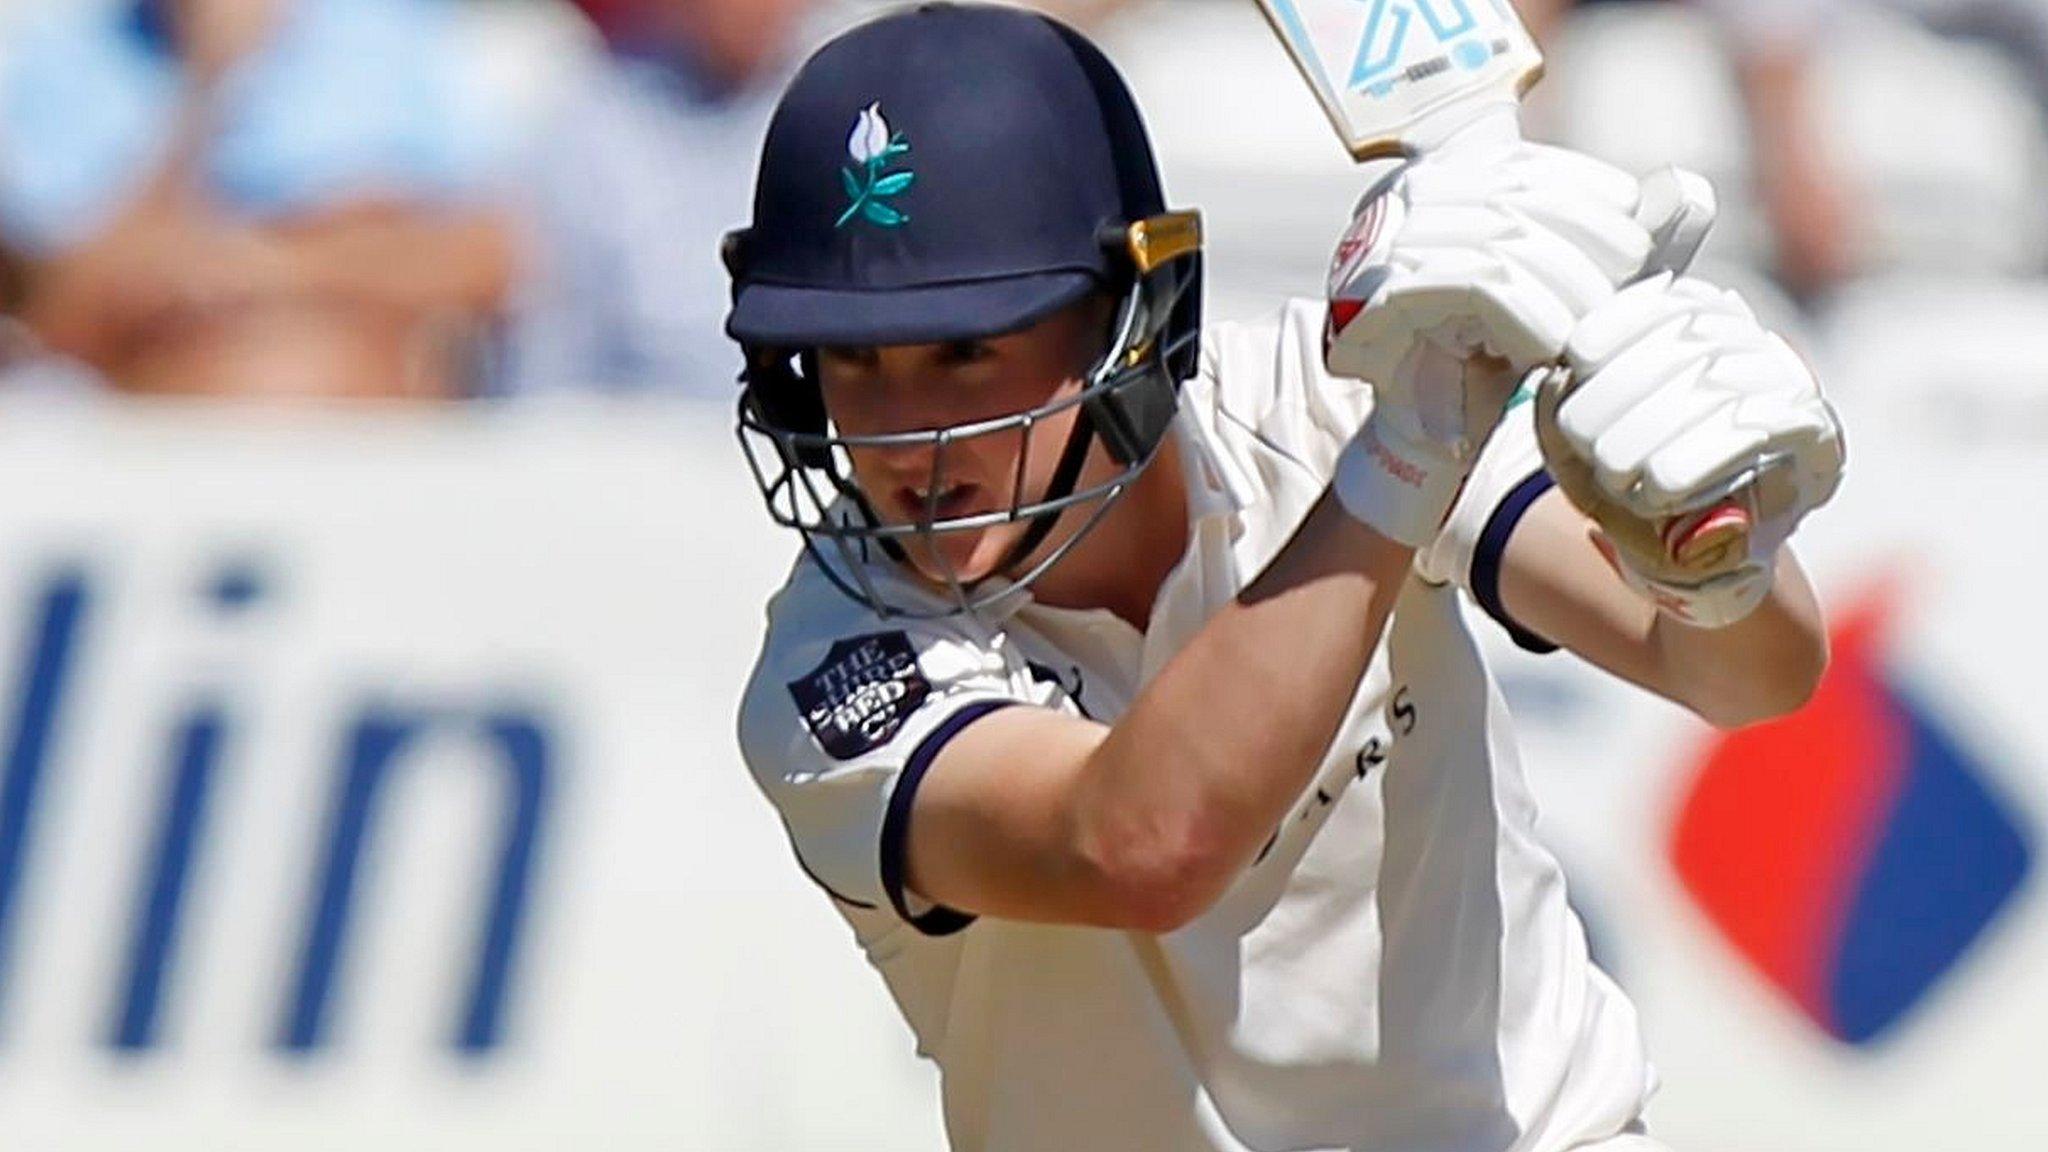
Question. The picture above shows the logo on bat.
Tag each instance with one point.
(1387, 56)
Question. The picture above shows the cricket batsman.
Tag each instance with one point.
(1125, 698)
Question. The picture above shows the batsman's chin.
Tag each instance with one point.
(964, 556)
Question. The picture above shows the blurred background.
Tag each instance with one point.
(380, 574)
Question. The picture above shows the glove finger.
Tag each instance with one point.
(1776, 415)
(1475, 300)
(1594, 204)
(1790, 426)
(1806, 479)
(1634, 311)
(1410, 303)
(1628, 445)
(1575, 175)
(1705, 297)
(1589, 204)
(1407, 299)
(1432, 227)
(1436, 236)
(1567, 272)
(1705, 458)
(1822, 461)
(1519, 318)
(1629, 379)
(1452, 179)
(1623, 321)
(1615, 243)
(1679, 209)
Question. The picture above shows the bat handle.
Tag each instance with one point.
(1481, 125)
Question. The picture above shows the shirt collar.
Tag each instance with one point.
(1214, 493)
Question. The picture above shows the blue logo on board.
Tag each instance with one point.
(377, 743)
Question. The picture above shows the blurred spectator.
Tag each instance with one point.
(648, 165)
(24, 364)
(252, 197)
(648, 168)
(1080, 13)
(1773, 47)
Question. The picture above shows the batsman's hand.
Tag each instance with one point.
(1460, 273)
(1675, 405)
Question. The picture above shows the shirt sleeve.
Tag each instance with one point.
(1268, 376)
(839, 727)
(1271, 375)
(1505, 483)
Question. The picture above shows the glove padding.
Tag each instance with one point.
(1674, 401)
(1461, 273)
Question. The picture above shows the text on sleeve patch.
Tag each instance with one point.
(860, 695)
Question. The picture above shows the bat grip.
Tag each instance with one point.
(1467, 126)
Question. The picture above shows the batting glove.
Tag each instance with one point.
(1459, 274)
(1679, 406)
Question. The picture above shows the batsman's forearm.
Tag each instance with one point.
(1759, 668)
(1195, 776)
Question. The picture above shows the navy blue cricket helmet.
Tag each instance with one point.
(954, 172)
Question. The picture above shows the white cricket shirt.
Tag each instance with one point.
(1399, 970)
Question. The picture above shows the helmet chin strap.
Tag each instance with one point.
(1064, 480)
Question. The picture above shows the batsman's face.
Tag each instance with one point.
(922, 388)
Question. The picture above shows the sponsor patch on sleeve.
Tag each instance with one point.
(857, 699)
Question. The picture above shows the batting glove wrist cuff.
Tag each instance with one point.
(1716, 603)
(1395, 486)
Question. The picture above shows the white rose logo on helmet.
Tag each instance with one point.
(870, 135)
(869, 184)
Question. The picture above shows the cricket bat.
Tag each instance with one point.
(1401, 77)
